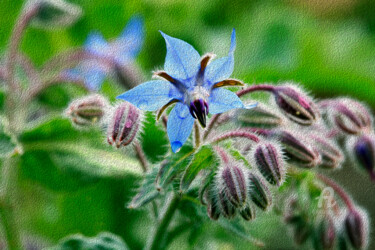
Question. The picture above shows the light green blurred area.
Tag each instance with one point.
(328, 46)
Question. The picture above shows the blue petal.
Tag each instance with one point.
(222, 100)
(130, 41)
(182, 60)
(95, 43)
(179, 126)
(222, 68)
(152, 95)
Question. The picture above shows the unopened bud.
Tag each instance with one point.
(123, 125)
(233, 184)
(326, 234)
(268, 158)
(213, 209)
(55, 13)
(88, 110)
(248, 212)
(349, 116)
(227, 209)
(296, 105)
(259, 117)
(298, 150)
(259, 192)
(331, 155)
(356, 229)
(364, 153)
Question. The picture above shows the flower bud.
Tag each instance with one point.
(296, 105)
(123, 125)
(259, 192)
(259, 117)
(298, 151)
(364, 153)
(55, 13)
(213, 209)
(356, 229)
(227, 209)
(331, 155)
(349, 116)
(248, 212)
(87, 111)
(326, 234)
(268, 158)
(234, 184)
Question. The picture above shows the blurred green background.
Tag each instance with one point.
(326, 45)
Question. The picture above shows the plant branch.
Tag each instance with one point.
(159, 233)
(253, 88)
(237, 134)
(197, 135)
(141, 156)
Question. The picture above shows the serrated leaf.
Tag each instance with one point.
(174, 164)
(205, 158)
(153, 139)
(147, 191)
(103, 241)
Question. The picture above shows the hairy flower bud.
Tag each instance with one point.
(227, 208)
(248, 212)
(213, 209)
(348, 115)
(268, 158)
(298, 150)
(356, 229)
(87, 111)
(259, 117)
(233, 182)
(364, 153)
(259, 192)
(331, 155)
(296, 105)
(325, 234)
(123, 124)
(55, 13)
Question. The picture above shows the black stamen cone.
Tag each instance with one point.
(199, 110)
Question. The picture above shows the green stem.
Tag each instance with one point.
(197, 135)
(159, 233)
(7, 208)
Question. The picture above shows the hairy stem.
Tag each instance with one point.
(158, 235)
(253, 88)
(344, 196)
(8, 203)
(237, 134)
(141, 156)
(197, 135)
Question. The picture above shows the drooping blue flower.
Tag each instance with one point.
(193, 83)
(117, 53)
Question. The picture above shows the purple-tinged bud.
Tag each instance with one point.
(227, 209)
(326, 234)
(233, 184)
(213, 209)
(88, 110)
(364, 153)
(269, 160)
(261, 116)
(349, 116)
(248, 212)
(199, 110)
(331, 155)
(356, 228)
(123, 125)
(296, 105)
(298, 150)
(259, 192)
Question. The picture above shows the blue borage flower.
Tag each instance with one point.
(118, 52)
(193, 84)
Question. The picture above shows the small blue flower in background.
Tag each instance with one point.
(118, 52)
(193, 84)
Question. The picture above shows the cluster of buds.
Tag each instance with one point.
(235, 189)
(123, 121)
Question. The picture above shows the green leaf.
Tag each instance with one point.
(153, 139)
(174, 164)
(103, 241)
(238, 156)
(205, 158)
(6, 144)
(62, 158)
(147, 191)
